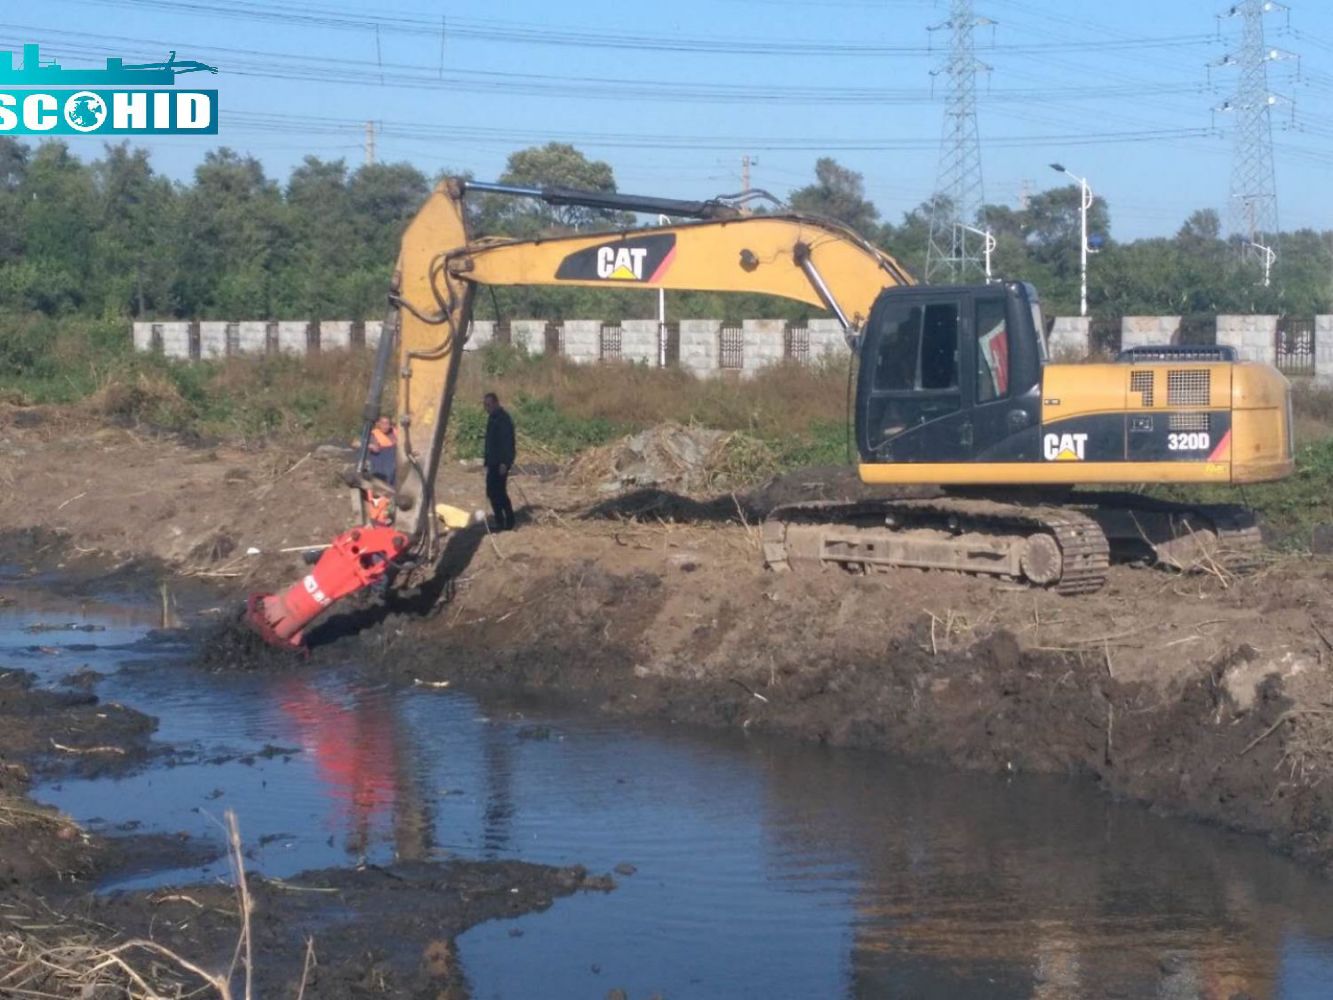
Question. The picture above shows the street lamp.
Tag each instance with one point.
(1270, 255)
(988, 243)
(662, 220)
(1085, 203)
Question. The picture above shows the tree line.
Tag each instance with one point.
(113, 238)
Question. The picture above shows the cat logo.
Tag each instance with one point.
(633, 258)
(1064, 447)
(621, 263)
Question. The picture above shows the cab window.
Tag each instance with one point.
(992, 351)
(918, 349)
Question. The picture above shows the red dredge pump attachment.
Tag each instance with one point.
(355, 560)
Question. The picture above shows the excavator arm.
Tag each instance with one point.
(439, 268)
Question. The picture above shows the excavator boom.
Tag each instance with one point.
(816, 261)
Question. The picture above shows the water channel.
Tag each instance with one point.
(760, 868)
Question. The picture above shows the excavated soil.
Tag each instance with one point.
(1205, 696)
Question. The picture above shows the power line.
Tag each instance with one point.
(514, 32)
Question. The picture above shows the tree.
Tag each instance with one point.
(557, 164)
(838, 193)
(234, 238)
(135, 258)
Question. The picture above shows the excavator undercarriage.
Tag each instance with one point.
(1066, 544)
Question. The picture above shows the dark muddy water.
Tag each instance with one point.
(761, 869)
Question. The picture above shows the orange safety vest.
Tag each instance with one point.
(379, 509)
(389, 440)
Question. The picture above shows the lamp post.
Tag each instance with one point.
(1085, 203)
(1269, 256)
(661, 312)
(988, 244)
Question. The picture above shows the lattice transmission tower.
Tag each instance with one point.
(957, 232)
(1253, 208)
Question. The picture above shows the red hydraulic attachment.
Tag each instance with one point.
(355, 560)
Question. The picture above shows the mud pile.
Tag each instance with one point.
(672, 456)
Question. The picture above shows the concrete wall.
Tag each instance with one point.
(1253, 337)
(293, 336)
(175, 339)
(827, 340)
(529, 334)
(581, 340)
(374, 328)
(480, 332)
(253, 337)
(1148, 331)
(638, 341)
(699, 345)
(1323, 351)
(1070, 337)
(335, 334)
(765, 344)
(212, 339)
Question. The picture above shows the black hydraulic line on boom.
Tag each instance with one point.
(716, 208)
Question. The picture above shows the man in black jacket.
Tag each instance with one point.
(499, 459)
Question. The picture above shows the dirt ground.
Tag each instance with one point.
(1203, 696)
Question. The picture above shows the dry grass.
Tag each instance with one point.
(48, 954)
(787, 398)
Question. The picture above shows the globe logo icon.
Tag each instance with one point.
(85, 111)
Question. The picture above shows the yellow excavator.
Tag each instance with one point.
(953, 389)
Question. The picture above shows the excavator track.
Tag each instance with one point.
(1177, 535)
(1065, 547)
(1049, 546)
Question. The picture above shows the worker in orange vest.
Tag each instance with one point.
(384, 450)
(379, 507)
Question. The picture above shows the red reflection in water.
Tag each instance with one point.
(352, 742)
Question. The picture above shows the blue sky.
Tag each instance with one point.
(1121, 93)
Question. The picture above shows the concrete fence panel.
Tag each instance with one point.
(1323, 351)
(1070, 337)
(1149, 331)
(480, 332)
(699, 345)
(213, 339)
(294, 336)
(828, 342)
(581, 340)
(764, 343)
(1253, 337)
(639, 341)
(529, 334)
(335, 334)
(175, 338)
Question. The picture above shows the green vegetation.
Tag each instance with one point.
(114, 239)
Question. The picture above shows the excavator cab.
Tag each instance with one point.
(951, 374)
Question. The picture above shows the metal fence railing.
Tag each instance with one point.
(797, 344)
(1294, 349)
(610, 347)
(731, 342)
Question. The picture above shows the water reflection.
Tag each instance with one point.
(362, 757)
(1032, 889)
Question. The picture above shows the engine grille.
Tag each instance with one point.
(1141, 382)
(1187, 422)
(1189, 387)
